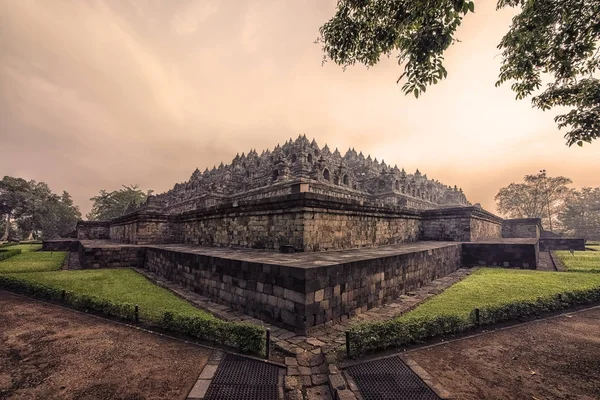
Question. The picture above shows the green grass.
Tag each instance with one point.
(581, 261)
(25, 248)
(120, 286)
(497, 286)
(32, 262)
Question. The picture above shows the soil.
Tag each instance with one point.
(48, 352)
(557, 358)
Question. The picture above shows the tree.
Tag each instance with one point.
(36, 211)
(109, 205)
(581, 215)
(13, 192)
(554, 40)
(540, 196)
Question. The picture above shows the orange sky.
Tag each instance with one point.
(96, 94)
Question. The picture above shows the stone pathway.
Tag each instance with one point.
(311, 360)
(546, 262)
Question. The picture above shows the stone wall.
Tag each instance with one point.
(548, 244)
(334, 292)
(92, 230)
(93, 255)
(139, 228)
(517, 254)
(521, 228)
(60, 245)
(269, 292)
(464, 224)
(326, 229)
(299, 298)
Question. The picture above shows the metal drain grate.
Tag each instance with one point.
(389, 379)
(241, 378)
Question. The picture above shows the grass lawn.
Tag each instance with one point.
(582, 261)
(25, 248)
(29, 261)
(118, 285)
(496, 286)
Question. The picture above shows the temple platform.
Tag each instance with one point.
(299, 291)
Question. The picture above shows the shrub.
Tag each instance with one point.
(247, 338)
(4, 254)
(407, 330)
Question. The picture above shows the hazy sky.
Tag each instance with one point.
(96, 94)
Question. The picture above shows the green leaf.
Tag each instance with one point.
(472, 6)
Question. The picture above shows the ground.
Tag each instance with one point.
(557, 358)
(48, 352)
(580, 261)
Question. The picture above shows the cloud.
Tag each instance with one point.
(96, 94)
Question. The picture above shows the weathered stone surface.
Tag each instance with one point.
(319, 379)
(337, 381)
(294, 395)
(291, 383)
(309, 359)
(345, 395)
(318, 393)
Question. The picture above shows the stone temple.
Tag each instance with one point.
(301, 236)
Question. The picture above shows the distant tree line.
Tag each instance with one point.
(561, 208)
(30, 210)
(109, 205)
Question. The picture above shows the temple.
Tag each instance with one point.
(362, 233)
(352, 176)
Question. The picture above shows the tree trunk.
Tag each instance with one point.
(6, 229)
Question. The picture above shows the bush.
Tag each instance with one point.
(403, 331)
(245, 337)
(4, 254)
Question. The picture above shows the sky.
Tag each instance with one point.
(99, 94)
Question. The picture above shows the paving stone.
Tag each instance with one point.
(291, 383)
(306, 381)
(337, 381)
(291, 361)
(208, 372)
(319, 379)
(318, 393)
(304, 370)
(310, 359)
(345, 395)
(320, 369)
(293, 371)
(199, 389)
(294, 395)
(333, 369)
(315, 342)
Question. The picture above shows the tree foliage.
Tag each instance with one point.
(35, 210)
(552, 40)
(539, 196)
(581, 214)
(109, 205)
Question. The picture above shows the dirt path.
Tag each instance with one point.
(47, 352)
(557, 358)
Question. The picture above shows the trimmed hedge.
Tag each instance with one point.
(245, 337)
(5, 254)
(399, 332)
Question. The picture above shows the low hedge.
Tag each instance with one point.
(245, 337)
(4, 254)
(402, 331)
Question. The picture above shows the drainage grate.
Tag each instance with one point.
(244, 379)
(389, 379)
